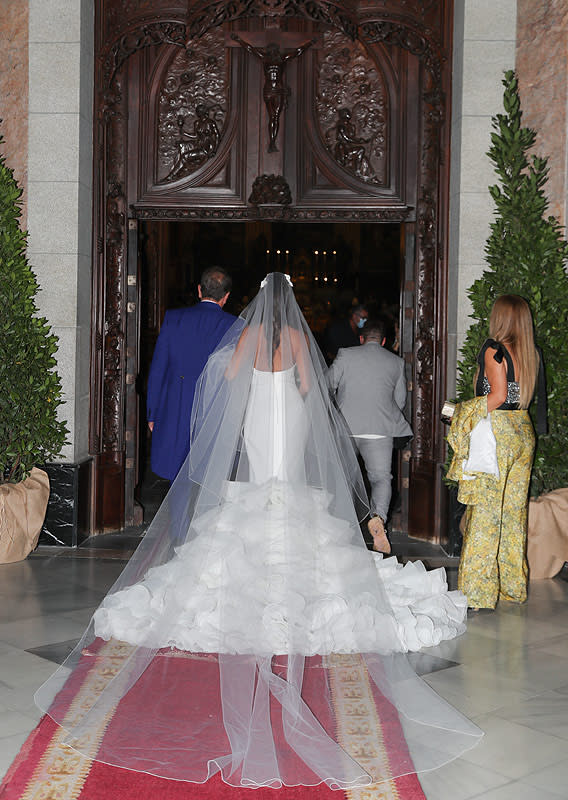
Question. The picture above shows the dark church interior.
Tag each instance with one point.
(332, 265)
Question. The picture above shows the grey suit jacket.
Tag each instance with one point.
(370, 388)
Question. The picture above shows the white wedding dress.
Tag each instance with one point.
(297, 582)
(252, 622)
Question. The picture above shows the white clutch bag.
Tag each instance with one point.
(482, 449)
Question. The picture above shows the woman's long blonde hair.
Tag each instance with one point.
(511, 324)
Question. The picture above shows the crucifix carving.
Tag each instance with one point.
(275, 92)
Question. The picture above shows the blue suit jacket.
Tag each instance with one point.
(187, 338)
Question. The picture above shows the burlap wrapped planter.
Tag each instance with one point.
(547, 540)
(22, 511)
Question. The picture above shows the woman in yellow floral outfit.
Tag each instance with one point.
(493, 564)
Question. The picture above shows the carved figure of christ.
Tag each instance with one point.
(275, 92)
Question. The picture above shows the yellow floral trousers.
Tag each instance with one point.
(493, 562)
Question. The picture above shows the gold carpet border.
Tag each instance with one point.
(62, 771)
(359, 729)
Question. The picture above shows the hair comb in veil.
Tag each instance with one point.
(264, 281)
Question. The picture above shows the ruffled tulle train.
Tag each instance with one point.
(271, 570)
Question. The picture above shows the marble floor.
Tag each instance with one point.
(509, 672)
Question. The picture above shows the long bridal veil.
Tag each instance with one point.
(250, 634)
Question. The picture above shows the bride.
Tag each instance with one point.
(223, 645)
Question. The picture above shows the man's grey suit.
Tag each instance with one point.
(370, 388)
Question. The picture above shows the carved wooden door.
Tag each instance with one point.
(276, 110)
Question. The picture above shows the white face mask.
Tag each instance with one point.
(361, 322)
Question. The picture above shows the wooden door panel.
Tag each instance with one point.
(345, 79)
(338, 78)
(192, 131)
(183, 132)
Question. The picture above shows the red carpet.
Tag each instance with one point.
(46, 769)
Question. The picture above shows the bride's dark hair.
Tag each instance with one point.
(276, 328)
(282, 289)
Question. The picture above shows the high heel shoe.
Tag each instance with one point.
(376, 528)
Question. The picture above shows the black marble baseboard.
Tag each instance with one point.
(68, 514)
(455, 513)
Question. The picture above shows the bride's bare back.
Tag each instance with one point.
(282, 353)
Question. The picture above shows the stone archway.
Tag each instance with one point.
(414, 47)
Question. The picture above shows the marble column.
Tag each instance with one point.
(60, 192)
(60, 188)
(484, 47)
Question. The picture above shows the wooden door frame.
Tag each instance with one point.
(422, 30)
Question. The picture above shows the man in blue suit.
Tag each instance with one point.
(187, 338)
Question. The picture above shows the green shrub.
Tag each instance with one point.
(525, 253)
(30, 389)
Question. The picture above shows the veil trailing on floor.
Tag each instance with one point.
(250, 634)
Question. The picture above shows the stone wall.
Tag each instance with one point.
(484, 47)
(542, 57)
(14, 90)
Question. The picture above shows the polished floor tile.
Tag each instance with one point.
(512, 750)
(475, 692)
(508, 672)
(553, 779)
(527, 669)
(547, 712)
(22, 669)
(39, 630)
(18, 699)
(517, 629)
(557, 646)
(9, 749)
(460, 780)
(518, 790)
(466, 649)
(14, 722)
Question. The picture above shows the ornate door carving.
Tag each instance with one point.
(282, 109)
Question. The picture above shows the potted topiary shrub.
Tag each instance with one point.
(526, 255)
(30, 389)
